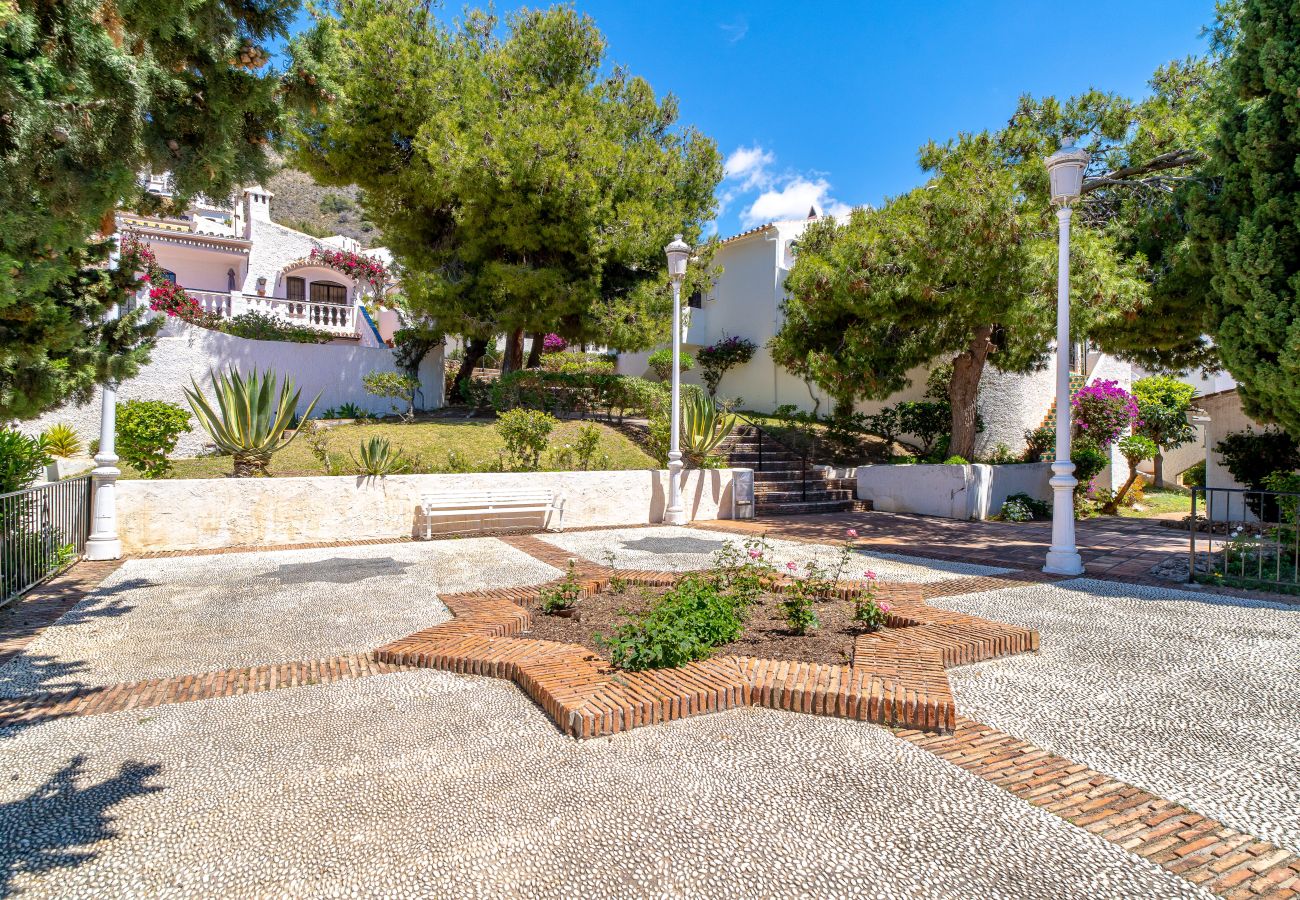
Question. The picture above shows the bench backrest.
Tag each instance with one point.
(485, 498)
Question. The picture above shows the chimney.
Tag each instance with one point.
(257, 207)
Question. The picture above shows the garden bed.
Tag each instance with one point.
(765, 635)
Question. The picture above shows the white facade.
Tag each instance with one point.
(233, 261)
(746, 302)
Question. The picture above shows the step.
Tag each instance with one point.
(795, 509)
(783, 459)
(797, 496)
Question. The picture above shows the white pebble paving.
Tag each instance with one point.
(158, 617)
(682, 549)
(1191, 696)
(425, 784)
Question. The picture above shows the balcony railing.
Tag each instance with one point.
(331, 318)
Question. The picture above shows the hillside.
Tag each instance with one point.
(303, 204)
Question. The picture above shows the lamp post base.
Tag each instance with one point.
(1063, 562)
(675, 514)
(99, 550)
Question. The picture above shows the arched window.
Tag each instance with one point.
(169, 275)
(328, 292)
(230, 280)
(295, 288)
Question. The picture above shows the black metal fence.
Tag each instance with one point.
(43, 529)
(1245, 538)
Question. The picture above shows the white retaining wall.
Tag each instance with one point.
(185, 351)
(974, 491)
(202, 514)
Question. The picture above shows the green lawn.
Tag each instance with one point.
(477, 442)
(1159, 501)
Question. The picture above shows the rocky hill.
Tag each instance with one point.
(303, 204)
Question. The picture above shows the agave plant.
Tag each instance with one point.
(378, 457)
(704, 426)
(249, 420)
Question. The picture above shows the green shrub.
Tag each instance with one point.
(564, 595)
(580, 454)
(147, 431)
(683, 625)
(1001, 455)
(926, 420)
(258, 326)
(1252, 456)
(1039, 443)
(1020, 507)
(22, 459)
(956, 461)
(393, 386)
(661, 362)
(62, 441)
(1194, 476)
(525, 433)
(1089, 462)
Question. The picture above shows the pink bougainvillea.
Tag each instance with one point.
(553, 343)
(1103, 411)
(356, 265)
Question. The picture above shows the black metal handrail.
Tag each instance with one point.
(43, 529)
(1252, 537)
(803, 455)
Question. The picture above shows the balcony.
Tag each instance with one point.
(331, 318)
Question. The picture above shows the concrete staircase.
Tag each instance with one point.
(784, 485)
(1076, 382)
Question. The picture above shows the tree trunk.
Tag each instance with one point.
(535, 351)
(1158, 470)
(513, 359)
(1112, 506)
(964, 392)
(474, 350)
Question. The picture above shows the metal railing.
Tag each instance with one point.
(775, 447)
(43, 529)
(1244, 538)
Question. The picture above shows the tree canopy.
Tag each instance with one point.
(520, 183)
(93, 94)
(1249, 227)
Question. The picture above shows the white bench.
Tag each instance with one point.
(490, 502)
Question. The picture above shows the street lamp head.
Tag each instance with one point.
(1065, 167)
(677, 253)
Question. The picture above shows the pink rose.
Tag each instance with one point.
(870, 575)
(853, 532)
(885, 607)
(791, 566)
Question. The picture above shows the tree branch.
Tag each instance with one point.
(1134, 174)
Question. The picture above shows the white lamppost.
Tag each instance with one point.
(1065, 167)
(677, 252)
(103, 542)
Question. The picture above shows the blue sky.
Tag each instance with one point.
(825, 103)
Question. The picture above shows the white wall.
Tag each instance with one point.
(974, 491)
(237, 512)
(185, 351)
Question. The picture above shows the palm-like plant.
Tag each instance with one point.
(249, 419)
(704, 426)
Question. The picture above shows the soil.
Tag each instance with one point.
(765, 636)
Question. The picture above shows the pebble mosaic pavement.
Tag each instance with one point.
(411, 784)
(1196, 703)
(672, 550)
(158, 617)
(275, 794)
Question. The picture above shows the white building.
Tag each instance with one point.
(746, 301)
(236, 260)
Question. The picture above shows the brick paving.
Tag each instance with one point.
(23, 619)
(1198, 849)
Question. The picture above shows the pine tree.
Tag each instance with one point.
(521, 184)
(1250, 227)
(92, 95)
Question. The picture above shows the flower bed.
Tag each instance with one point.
(741, 604)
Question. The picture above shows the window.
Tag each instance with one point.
(295, 288)
(169, 275)
(328, 292)
(696, 300)
(230, 279)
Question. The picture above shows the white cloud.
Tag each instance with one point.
(782, 195)
(792, 200)
(749, 165)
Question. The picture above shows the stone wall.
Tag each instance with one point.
(185, 351)
(202, 514)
